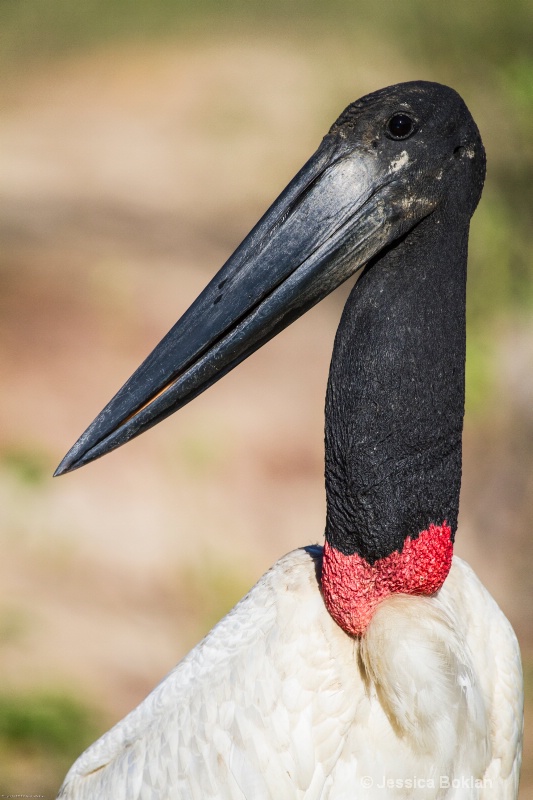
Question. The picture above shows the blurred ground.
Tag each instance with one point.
(128, 176)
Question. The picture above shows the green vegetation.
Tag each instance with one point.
(40, 735)
(28, 465)
(50, 723)
(487, 25)
(457, 37)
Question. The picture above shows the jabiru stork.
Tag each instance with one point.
(377, 665)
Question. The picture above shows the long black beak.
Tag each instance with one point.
(329, 221)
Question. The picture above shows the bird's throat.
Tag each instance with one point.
(353, 588)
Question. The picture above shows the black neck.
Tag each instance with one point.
(395, 398)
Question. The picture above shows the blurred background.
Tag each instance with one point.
(139, 142)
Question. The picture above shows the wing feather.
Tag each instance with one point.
(277, 701)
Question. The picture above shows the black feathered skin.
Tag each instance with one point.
(395, 397)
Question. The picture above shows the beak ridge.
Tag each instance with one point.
(328, 222)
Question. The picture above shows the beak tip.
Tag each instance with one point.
(70, 462)
(63, 468)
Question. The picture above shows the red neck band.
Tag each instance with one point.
(352, 588)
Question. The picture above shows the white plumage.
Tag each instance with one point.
(278, 702)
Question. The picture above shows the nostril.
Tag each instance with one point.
(459, 150)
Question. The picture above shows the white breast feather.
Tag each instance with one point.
(278, 702)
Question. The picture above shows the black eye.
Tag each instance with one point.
(400, 126)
